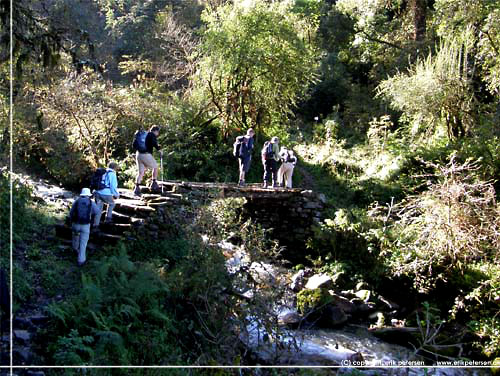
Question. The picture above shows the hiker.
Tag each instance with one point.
(270, 158)
(243, 151)
(144, 156)
(285, 171)
(80, 216)
(107, 195)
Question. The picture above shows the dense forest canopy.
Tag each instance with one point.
(393, 107)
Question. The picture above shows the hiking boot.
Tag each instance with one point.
(137, 190)
(241, 183)
(154, 186)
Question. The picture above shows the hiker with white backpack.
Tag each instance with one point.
(285, 171)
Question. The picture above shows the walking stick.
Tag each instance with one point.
(161, 171)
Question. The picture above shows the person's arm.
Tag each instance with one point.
(93, 208)
(276, 150)
(72, 210)
(155, 142)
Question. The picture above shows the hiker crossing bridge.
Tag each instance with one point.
(288, 213)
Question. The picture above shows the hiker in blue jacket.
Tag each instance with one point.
(80, 216)
(107, 195)
(245, 154)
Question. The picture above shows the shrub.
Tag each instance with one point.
(453, 223)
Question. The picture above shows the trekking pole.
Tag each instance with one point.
(161, 171)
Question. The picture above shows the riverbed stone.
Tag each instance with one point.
(22, 335)
(334, 316)
(343, 303)
(291, 319)
(363, 294)
(319, 281)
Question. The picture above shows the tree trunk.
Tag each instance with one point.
(419, 10)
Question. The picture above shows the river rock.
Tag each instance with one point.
(263, 273)
(364, 295)
(298, 281)
(291, 319)
(319, 281)
(22, 335)
(334, 316)
(343, 303)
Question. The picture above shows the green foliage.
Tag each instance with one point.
(21, 195)
(436, 90)
(455, 18)
(255, 63)
(118, 313)
(488, 329)
(439, 230)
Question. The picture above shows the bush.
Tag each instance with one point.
(453, 223)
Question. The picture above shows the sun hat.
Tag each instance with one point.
(86, 192)
(274, 139)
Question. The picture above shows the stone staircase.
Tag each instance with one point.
(130, 215)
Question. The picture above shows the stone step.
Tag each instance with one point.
(115, 228)
(118, 217)
(135, 207)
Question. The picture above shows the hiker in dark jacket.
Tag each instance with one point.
(146, 160)
(245, 154)
(270, 158)
(80, 216)
(108, 194)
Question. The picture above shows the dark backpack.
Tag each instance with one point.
(140, 141)
(267, 150)
(98, 180)
(82, 212)
(237, 146)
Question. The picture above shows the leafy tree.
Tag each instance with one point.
(436, 90)
(256, 62)
(480, 19)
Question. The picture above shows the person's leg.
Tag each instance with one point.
(84, 238)
(241, 166)
(267, 172)
(289, 176)
(140, 173)
(75, 237)
(281, 174)
(274, 169)
(111, 204)
(150, 162)
(100, 205)
(140, 168)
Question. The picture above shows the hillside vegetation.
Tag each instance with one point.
(391, 106)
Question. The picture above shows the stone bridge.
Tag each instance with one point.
(289, 213)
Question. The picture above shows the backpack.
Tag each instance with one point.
(267, 150)
(140, 141)
(82, 211)
(237, 146)
(98, 180)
